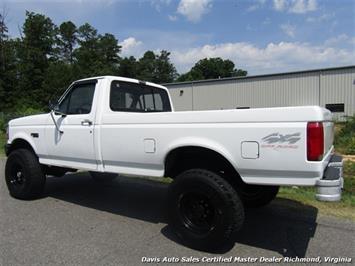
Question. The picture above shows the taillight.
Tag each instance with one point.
(315, 141)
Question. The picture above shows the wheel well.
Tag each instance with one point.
(184, 158)
(20, 144)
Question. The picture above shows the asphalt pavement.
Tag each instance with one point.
(78, 222)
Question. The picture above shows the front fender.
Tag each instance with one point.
(24, 137)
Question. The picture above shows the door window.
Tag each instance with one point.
(78, 100)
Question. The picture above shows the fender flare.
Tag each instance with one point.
(18, 138)
(200, 143)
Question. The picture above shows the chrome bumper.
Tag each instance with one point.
(329, 188)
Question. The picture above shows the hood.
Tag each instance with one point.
(31, 120)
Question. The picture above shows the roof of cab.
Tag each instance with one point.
(123, 79)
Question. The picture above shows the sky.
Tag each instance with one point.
(260, 36)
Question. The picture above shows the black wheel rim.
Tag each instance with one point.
(197, 212)
(17, 176)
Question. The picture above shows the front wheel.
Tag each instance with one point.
(204, 209)
(23, 174)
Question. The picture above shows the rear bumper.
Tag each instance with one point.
(329, 188)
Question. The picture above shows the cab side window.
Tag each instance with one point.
(78, 100)
(132, 97)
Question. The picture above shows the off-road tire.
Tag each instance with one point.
(103, 177)
(254, 196)
(24, 177)
(223, 203)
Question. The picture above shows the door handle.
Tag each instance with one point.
(86, 122)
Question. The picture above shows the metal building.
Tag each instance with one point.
(333, 88)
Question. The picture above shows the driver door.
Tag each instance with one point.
(75, 146)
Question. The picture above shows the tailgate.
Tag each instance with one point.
(328, 128)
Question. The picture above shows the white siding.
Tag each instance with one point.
(181, 96)
(339, 87)
(214, 95)
(275, 91)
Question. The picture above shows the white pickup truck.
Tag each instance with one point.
(220, 161)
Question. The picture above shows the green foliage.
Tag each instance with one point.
(345, 138)
(97, 54)
(212, 68)
(349, 170)
(156, 68)
(128, 67)
(35, 51)
(6, 117)
(46, 59)
(164, 70)
(3, 123)
(8, 66)
(351, 147)
(53, 84)
(2, 142)
(67, 39)
(146, 66)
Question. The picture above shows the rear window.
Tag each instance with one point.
(132, 97)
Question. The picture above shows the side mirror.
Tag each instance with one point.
(54, 109)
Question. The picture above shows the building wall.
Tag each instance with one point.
(338, 87)
(181, 96)
(286, 90)
(214, 96)
(321, 87)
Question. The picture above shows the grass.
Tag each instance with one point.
(344, 209)
(2, 143)
(344, 141)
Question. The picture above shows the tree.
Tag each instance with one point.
(9, 76)
(156, 68)
(128, 67)
(97, 54)
(8, 64)
(146, 66)
(108, 50)
(86, 55)
(35, 51)
(58, 76)
(67, 40)
(3, 38)
(212, 68)
(165, 70)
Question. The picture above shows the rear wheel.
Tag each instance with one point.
(204, 209)
(23, 174)
(103, 177)
(257, 196)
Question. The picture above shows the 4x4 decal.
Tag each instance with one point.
(279, 141)
(279, 138)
